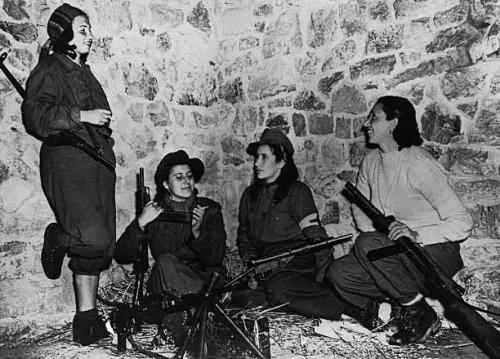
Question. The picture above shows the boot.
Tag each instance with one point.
(366, 316)
(52, 252)
(88, 328)
(419, 322)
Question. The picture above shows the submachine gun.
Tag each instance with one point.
(439, 284)
(66, 137)
(128, 317)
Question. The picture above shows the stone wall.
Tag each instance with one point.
(208, 76)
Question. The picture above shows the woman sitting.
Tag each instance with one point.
(277, 212)
(185, 254)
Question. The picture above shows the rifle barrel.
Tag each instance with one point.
(302, 249)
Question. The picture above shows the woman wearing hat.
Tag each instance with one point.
(63, 94)
(277, 212)
(185, 254)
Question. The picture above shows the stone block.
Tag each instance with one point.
(299, 124)
(438, 125)
(387, 39)
(357, 126)
(463, 82)
(21, 59)
(418, 32)
(306, 65)
(22, 32)
(453, 59)
(233, 150)
(468, 108)
(326, 83)
(484, 191)
(263, 10)
(412, 8)
(163, 14)
(236, 21)
(464, 161)
(459, 36)
(232, 91)
(163, 42)
(280, 102)
(486, 129)
(307, 100)
(453, 16)
(348, 99)
(4, 42)
(352, 17)
(199, 17)
(283, 35)
(245, 121)
(320, 124)
(322, 27)
(341, 54)
(101, 50)
(343, 127)
(374, 66)
(241, 64)
(357, 152)
(113, 15)
(139, 81)
(248, 42)
(379, 11)
(278, 121)
(333, 152)
(331, 213)
(136, 111)
(158, 114)
(15, 9)
(13, 192)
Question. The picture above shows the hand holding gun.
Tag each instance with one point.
(439, 284)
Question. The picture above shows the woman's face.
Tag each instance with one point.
(180, 183)
(378, 128)
(82, 35)
(265, 164)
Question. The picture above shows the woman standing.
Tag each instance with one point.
(277, 212)
(402, 179)
(63, 94)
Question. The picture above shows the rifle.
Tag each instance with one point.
(264, 264)
(439, 284)
(65, 137)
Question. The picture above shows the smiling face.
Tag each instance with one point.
(379, 129)
(265, 164)
(82, 35)
(180, 182)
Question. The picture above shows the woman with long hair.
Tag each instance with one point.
(402, 179)
(62, 94)
(277, 212)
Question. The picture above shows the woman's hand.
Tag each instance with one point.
(198, 213)
(99, 116)
(398, 229)
(150, 212)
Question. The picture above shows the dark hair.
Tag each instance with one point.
(62, 44)
(406, 133)
(162, 192)
(288, 175)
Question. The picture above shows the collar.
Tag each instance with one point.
(67, 64)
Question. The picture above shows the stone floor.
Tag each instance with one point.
(292, 337)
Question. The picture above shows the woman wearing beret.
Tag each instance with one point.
(402, 179)
(63, 94)
(185, 254)
(277, 212)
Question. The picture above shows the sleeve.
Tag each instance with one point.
(363, 222)
(431, 181)
(305, 211)
(42, 111)
(245, 247)
(210, 246)
(306, 214)
(128, 245)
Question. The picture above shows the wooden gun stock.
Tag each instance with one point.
(440, 285)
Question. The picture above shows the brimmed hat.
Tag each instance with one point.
(61, 19)
(178, 158)
(271, 136)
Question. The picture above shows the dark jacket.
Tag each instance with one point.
(266, 227)
(204, 253)
(56, 91)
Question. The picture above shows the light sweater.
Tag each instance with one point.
(413, 187)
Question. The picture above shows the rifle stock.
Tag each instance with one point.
(439, 284)
(254, 264)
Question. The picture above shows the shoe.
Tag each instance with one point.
(87, 331)
(52, 252)
(367, 316)
(418, 323)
